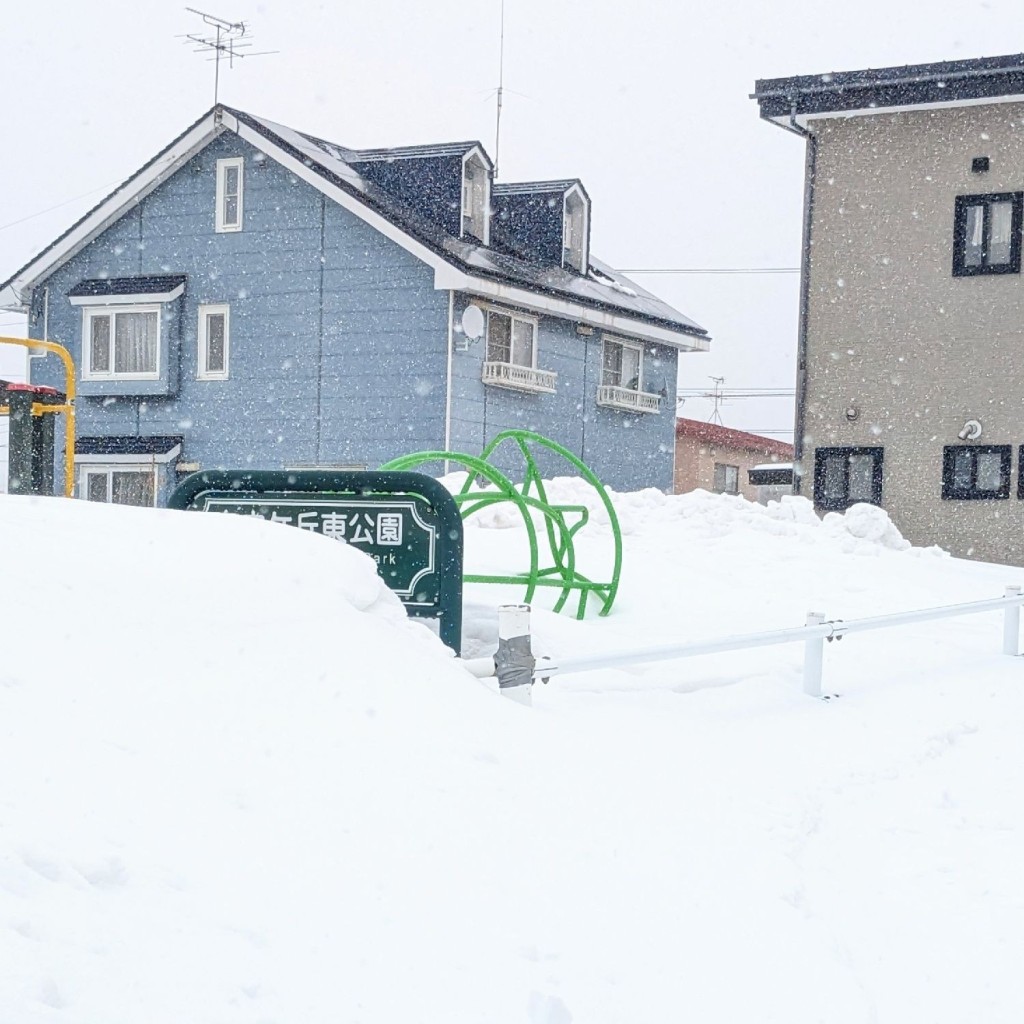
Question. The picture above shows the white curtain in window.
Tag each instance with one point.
(135, 343)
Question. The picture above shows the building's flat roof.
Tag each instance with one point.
(844, 93)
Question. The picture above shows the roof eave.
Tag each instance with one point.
(108, 210)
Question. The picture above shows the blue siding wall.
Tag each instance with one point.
(338, 338)
(626, 450)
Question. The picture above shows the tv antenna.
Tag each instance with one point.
(225, 39)
(717, 397)
(501, 83)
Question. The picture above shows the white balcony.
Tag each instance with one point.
(519, 378)
(612, 397)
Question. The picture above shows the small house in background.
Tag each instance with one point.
(257, 296)
(719, 459)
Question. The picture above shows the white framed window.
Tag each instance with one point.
(511, 354)
(476, 197)
(214, 341)
(511, 338)
(120, 342)
(230, 174)
(622, 364)
(622, 377)
(120, 484)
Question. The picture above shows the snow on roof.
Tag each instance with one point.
(331, 164)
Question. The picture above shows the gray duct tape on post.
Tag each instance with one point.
(514, 662)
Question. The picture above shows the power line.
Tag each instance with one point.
(709, 270)
(50, 209)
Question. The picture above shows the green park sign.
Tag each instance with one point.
(406, 522)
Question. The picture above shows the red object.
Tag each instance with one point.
(726, 437)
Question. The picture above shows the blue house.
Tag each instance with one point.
(257, 297)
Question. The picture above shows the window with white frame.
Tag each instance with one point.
(214, 342)
(622, 364)
(121, 342)
(511, 354)
(475, 197)
(511, 339)
(622, 378)
(119, 484)
(229, 193)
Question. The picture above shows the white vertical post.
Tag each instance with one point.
(514, 661)
(813, 651)
(1011, 624)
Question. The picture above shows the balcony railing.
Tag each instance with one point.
(612, 397)
(520, 378)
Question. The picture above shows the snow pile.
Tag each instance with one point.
(239, 786)
(865, 523)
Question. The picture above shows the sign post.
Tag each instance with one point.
(406, 522)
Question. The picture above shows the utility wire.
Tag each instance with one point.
(709, 270)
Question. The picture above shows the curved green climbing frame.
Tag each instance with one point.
(561, 522)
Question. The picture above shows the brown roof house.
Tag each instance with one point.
(729, 461)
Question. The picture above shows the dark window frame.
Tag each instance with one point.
(963, 204)
(951, 492)
(821, 455)
(725, 467)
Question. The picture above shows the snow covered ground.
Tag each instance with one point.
(237, 785)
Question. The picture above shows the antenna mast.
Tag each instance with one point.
(501, 82)
(717, 397)
(225, 41)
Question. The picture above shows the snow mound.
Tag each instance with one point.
(864, 528)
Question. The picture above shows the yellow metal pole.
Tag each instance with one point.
(68, 407)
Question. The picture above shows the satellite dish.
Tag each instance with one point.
(473, 322)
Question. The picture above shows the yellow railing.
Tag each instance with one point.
(67, 407)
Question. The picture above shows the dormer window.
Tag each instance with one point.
(476, 196)
(575, 217)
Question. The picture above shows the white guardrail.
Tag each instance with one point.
(516, 667)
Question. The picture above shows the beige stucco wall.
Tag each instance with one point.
(891, 332)
(695, 465)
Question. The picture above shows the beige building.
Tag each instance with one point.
(910, 390)
(719, 459)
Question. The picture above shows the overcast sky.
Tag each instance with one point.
(646, 102)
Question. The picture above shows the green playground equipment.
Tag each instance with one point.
(561, 522)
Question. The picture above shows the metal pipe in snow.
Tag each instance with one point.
(826, 630)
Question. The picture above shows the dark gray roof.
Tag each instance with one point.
(942, 83)
(412, 152)
(126, 445)
(607, 290)
(147, 285)
(531, 187)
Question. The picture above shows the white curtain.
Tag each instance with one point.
(135, 343)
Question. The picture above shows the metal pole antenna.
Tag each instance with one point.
(501, 82)
(225, 42)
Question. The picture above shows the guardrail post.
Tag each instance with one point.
(514, 661)
(1011, 624)
(813, 651)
